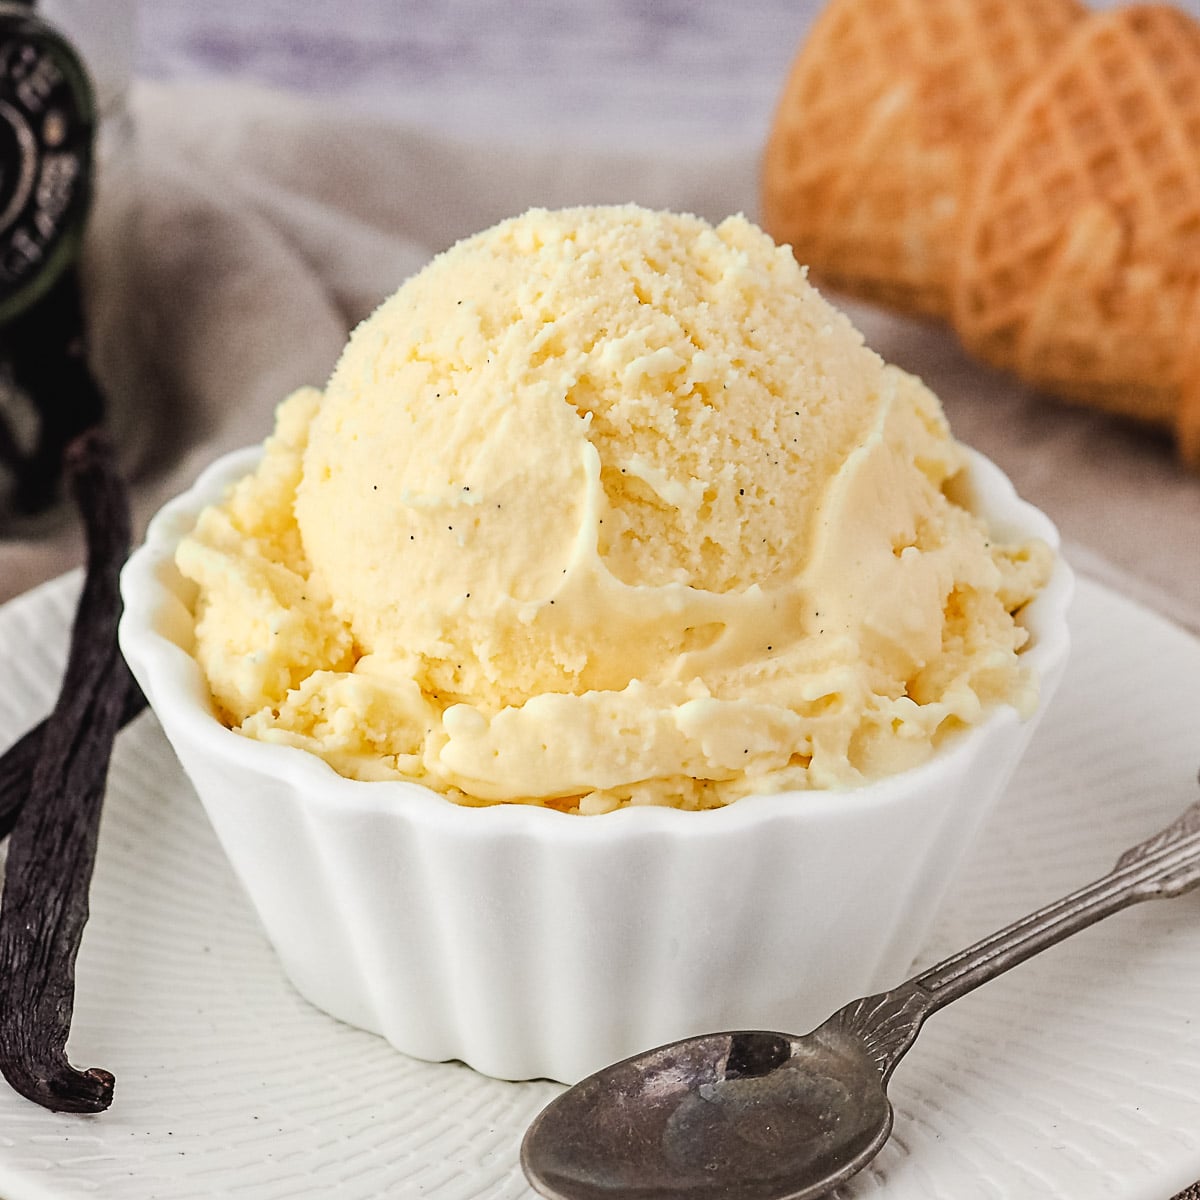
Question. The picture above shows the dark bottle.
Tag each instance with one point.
(47, 138)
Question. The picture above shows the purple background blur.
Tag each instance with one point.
(630, 72)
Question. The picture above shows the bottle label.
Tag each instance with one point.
(47, 128)
(47, 125)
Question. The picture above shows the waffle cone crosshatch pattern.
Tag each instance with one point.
(1041, 193)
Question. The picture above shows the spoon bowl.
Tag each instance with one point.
(763, 1108)
(770, 1116)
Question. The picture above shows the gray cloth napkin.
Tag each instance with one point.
(267, 226)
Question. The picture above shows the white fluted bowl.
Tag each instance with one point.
(531, 943)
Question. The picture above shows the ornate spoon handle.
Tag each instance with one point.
(1167, 864)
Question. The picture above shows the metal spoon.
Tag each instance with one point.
(772, 1116)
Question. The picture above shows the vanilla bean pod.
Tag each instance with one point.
(52, 847)
(17, 762)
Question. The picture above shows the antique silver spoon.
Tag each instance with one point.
(772, 1116)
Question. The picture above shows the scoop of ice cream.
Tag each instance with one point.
(612, 506)
(571, 457)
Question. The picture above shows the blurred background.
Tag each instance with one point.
(630, 72)
(612, 70)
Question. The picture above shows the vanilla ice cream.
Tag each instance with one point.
(609, 506)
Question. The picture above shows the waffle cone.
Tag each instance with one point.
(877, 134)
(1080, 253)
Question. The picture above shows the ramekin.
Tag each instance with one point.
(529, 943)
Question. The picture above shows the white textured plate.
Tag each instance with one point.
(1076, 1075)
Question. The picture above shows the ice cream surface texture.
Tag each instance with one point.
(609, 506)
